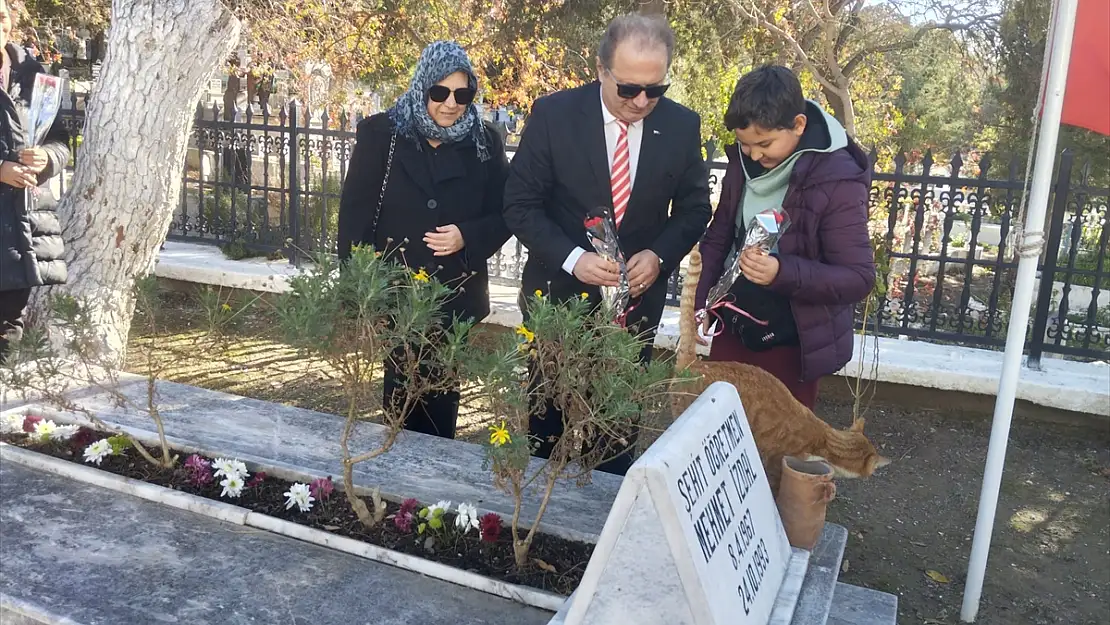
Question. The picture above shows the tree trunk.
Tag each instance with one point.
(841, 102)
(849, 113)
(137, 123)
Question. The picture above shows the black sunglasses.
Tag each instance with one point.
(631, 91)
(463, 96)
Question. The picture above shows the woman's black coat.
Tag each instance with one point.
(428, 188)
(30, 240)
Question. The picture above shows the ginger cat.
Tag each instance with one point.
(781, 425)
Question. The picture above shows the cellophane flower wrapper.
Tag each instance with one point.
(46, 99)
(602, 233)
(764, 232)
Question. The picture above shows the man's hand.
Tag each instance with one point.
(592, 269)
(17, 175)
(758, 266)
(34, 159)
(643, 271)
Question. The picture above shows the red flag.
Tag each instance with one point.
(1087, 94)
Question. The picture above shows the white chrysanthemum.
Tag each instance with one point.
(233, 486)
(98, 451)
(466, 517)
(12, 423)
(230, 468)
(299, 495)
(64, 432)
(44, 430)
(442, 506)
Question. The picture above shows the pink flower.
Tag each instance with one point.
(256, 479)
(321, 488)
(198, 471)
(30, 422)
(489, 525)
(406, 514)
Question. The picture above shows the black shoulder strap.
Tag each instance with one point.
(385, 181)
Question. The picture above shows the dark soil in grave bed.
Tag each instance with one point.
(556, 564)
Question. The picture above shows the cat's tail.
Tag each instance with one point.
(687, 323)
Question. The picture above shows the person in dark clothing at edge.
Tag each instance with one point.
(791, 154)
(436, 173)
(31, 245)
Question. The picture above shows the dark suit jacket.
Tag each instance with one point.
(428, 188)
(561, 171)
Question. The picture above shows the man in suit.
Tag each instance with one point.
(615, 143)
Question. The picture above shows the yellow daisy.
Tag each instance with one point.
(421, 276)
(526, 334)
(226, 308)
(499, 435)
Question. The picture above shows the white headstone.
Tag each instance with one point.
(694, 536)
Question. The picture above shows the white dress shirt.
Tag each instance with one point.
(612, 135)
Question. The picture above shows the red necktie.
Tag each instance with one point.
(621, 178)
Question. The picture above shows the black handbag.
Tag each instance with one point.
(761, 318)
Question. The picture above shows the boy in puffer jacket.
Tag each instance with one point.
(792, 155)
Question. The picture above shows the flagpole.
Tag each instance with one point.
(1029, 249)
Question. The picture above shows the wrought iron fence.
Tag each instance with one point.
(943, 242)
(270, 183)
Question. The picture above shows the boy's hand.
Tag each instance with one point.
(705, 327)
(758, 266)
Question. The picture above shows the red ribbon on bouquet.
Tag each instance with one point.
(622, 319)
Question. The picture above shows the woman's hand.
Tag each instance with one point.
(34, 159)
(758, 266)
(18, 176)
(445, 241)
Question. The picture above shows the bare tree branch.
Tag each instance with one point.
(912, 40)
(749, 10)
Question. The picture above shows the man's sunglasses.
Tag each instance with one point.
(631, 91)
(463, 96)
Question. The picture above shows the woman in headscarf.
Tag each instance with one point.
(431, 171)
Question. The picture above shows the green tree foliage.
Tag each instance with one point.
(941, 97)
(58, 14)
(1023, 33)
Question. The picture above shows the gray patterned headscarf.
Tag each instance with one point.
(410, 114)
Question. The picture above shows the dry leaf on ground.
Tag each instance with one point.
(937, 576)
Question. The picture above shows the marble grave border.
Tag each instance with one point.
(237, 515)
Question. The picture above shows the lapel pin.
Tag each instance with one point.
(655, 132)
